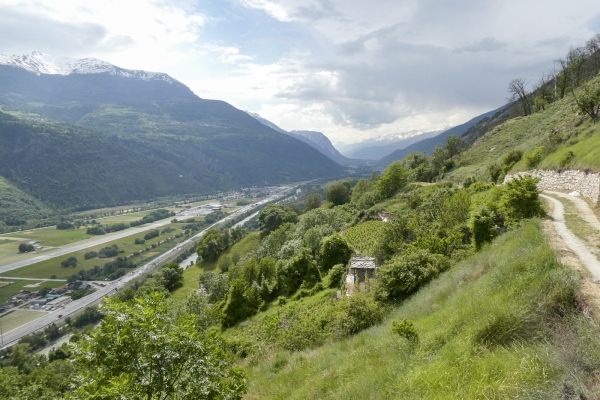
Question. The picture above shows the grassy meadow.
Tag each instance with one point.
(47, 268)
(15, 319)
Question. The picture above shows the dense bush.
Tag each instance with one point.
(336, 274)
(69, 262)
(64, 225)
(334, 250)
(404, 274)
(520, 199)
(534, 157)
(275, 215)
(484, 226)
(90, 254)
(151, 234)
(109, 251)
(339, 193)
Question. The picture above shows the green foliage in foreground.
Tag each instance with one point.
(504, 323)
(142, 350)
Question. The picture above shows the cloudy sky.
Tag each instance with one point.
(349, 68)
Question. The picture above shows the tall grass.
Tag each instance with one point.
(505, 323)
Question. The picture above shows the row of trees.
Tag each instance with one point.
(567, 74)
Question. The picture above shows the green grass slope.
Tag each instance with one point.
(505, 323)
(560, 128)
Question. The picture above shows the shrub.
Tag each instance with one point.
(533, 158)
(404, 274)
(336, 274)
(405, 329)
(139, 241)
(89, 255)
(358, 312)
(483, 225)
(494, 172)
(567, 158)
(520, 199)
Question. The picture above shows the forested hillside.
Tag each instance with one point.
(91, 140)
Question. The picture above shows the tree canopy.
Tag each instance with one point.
(141, 351)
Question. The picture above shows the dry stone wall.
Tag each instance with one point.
(586, 184)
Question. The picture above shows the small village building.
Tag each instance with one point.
(39, 302)
(362, 267)
(84, 286)
(60, 289)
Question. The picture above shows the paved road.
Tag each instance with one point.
(71, 309)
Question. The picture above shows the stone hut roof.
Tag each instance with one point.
(363, 262)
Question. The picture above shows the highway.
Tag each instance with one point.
(11, 337)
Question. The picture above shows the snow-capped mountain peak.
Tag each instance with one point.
(40, 63)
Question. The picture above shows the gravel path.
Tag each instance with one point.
(585, 212)
(577, 246)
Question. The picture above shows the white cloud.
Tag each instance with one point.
(349, 68)
(272, 8)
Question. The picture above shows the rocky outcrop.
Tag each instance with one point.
(587, 184)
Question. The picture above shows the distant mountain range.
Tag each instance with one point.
(315, 139)
(380, 146)
(428, 145)
(85, 133)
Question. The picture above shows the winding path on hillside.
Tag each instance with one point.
(586, 257)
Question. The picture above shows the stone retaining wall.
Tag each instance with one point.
(586, 184)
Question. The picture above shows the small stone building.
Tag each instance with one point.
(362, 268)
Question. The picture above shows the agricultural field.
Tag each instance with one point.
(45, 269)
(9, 288)
(364, 237)
(17, 318)
(50, 236)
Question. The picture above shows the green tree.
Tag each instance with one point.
(588, 100)
(453, 146)
(312, 201)
(211, 245)
(393, 178)
(275, 215)
(26, 248)
(334, 250)
(243, 301)
(172, 274)
(142, 351)
(301, 270)
(362, 186)
(339, 193)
